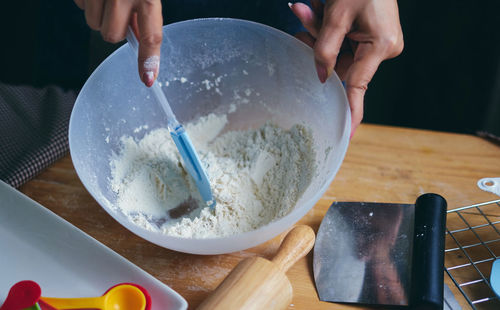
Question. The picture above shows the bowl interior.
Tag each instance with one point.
(210, 66)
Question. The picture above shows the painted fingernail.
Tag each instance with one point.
(322, 73)
(151, 68)
(148, 78)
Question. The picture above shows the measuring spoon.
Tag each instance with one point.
(123, 297)
(491, 185)
(22, 295)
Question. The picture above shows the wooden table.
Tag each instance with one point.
(384, 164)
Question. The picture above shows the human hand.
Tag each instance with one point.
(112, 18)
(353, 37)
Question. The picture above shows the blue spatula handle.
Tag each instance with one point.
(155, 88)
(188, 153)
(192, 163)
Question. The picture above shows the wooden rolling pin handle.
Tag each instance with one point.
(296, 244)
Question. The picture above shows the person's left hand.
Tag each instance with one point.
(353, 37)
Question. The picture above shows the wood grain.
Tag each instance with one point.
(254, 284)
(382, 164)
(257, 283)
(296, 244)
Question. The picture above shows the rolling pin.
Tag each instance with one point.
(257, 283)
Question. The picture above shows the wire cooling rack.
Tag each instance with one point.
(472, 245)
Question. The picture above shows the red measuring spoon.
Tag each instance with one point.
(22, 295)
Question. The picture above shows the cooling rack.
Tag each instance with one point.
(472, 245)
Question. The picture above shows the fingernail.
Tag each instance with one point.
(290, 4)
(353, 129)
(329, 72)
(322, 73)
(151, 68)
(148, 78)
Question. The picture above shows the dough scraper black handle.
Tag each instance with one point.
(427, 279)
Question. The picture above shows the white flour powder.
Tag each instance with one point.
(256, 177)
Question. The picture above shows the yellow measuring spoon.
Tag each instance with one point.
(120, 297)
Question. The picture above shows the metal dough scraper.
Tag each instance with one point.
(382, 254)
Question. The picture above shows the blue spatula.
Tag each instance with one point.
(181, 139)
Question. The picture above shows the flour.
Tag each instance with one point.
(256, 176)
(152, 63)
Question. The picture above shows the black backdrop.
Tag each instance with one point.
(447, 78)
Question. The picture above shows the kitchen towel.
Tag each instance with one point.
(33, 130)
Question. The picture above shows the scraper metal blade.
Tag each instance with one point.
(382, 254)
(362, 252)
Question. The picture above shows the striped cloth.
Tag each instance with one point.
(33, 130)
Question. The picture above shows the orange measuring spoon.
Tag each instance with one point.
(123, 297)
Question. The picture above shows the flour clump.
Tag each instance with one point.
(256, 175)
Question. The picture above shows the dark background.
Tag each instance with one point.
(447, 78)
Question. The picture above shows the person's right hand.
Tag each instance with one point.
(112, 18)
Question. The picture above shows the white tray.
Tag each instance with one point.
(36, 244)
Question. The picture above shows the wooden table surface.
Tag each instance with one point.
(382, 164)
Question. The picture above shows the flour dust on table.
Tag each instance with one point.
(256, 175)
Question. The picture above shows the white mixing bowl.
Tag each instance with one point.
(268, 74)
